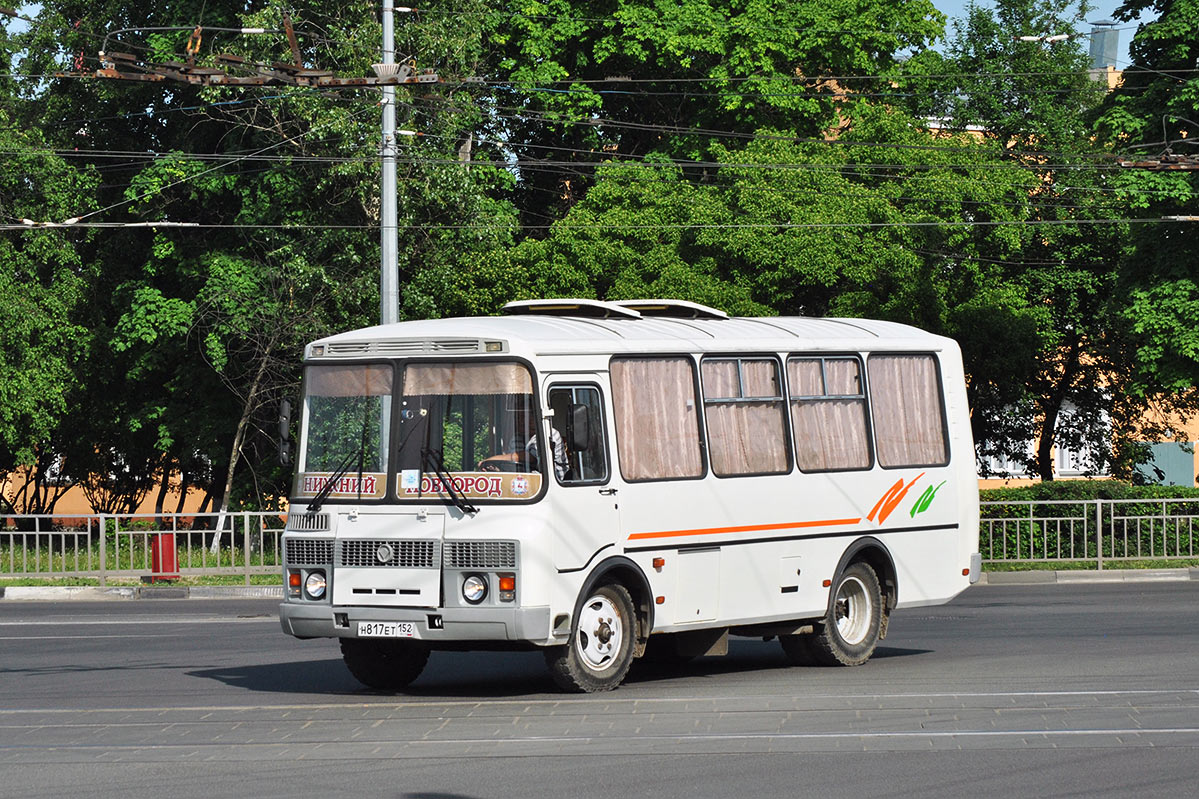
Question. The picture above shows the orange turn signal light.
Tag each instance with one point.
(508, 582)
(659, 600)
(827, 583)
(293, 579)
(659, 562)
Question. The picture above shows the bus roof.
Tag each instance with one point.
(546, 334)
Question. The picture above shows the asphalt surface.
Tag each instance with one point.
(1011, 690)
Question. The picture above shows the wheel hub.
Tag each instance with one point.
(852, 611)
(601, 633)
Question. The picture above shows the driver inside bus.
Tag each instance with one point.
(532, 456)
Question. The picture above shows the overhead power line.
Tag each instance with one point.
(605, 226)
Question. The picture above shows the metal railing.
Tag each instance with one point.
(105, 546)
(1098, 530)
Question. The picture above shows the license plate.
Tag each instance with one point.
(386, 629)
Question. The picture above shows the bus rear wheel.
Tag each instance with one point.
(384, 665)
(849, 632)
(600, 650)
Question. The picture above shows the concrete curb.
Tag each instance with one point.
(1075, 577)
(60, 593)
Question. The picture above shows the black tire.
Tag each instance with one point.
(602, 638)
(850, 630)
(384, 665)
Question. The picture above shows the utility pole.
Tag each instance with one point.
(389, 277)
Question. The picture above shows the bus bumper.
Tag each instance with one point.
(976, 567)
(430, 624)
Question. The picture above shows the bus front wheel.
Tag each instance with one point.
(600, 649)
(384, 665)
(850, 630)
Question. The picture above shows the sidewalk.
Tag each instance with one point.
(94, 593)
(1079, 576)
(88, 593)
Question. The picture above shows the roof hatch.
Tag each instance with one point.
(679, 309)
(594, 309)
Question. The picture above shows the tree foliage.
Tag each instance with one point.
(762, 156)
(43, 289)
(1155, 112)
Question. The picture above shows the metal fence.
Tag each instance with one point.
(107, 546)
(153, 546)
(1102, 530)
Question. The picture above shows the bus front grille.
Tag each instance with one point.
(307, 551)
(479, 554)
(385, 553)
(308, 522)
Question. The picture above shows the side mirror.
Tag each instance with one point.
(285, 420)
(578, 428)
(285, 433)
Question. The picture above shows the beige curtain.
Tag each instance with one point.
(349, 381)
(656, 419)
(467, 378)
(744, 437)
(909, 426)
(844, 379)
(805, 378)
(830, 434)
(720, 378)
(761, 379)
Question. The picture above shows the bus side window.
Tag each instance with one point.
(579, 420)
(828, 413)
(908, 408)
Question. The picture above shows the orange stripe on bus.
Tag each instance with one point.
(752, 528)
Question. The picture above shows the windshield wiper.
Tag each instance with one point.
(433, 457)
(327, 488)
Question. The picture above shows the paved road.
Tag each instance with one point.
(1010, 690)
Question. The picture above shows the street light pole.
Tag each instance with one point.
(389, 294)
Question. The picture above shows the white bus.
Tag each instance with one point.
(705, 476)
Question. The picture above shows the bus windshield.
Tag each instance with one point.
(471, 425)
(475, 423)
(344, 440)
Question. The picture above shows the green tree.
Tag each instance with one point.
(1154, 113)
(643, 77)
(43, 342)
(1035, 99)
(203, 329)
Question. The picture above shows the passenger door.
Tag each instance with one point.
(583, 498)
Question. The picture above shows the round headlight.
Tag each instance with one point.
(474, 589)
(314, 586)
